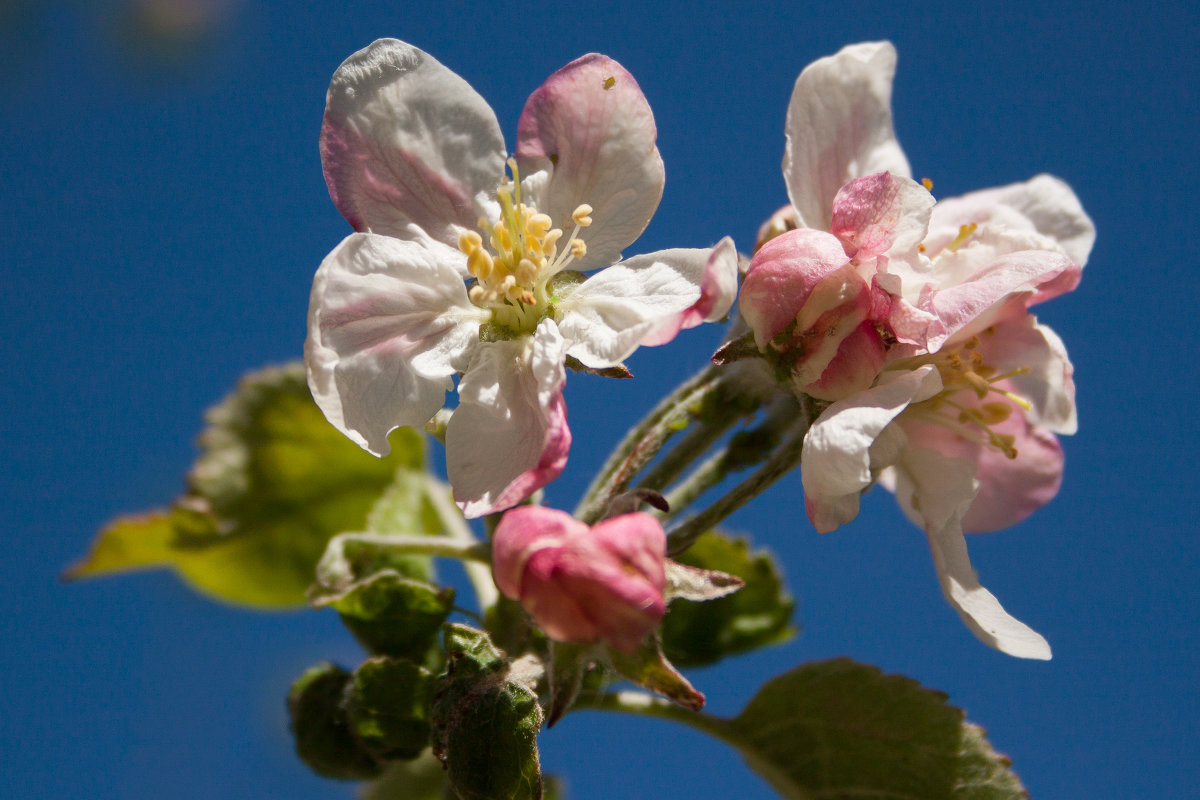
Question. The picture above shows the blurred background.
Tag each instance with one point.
(162, 212)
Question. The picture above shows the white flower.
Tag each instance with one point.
(459, 270)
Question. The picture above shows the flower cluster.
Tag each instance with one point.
(910, 317)
(903, 320)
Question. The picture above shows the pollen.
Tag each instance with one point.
(928, 184)
(523, 251)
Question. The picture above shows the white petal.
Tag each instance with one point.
(937, 491)
(836, 464)
(406, 142)
(591, 129)
(1043, 204)
(839, 127)
(508, 436)
(1020, 342)
(644, 299)
(388, 324)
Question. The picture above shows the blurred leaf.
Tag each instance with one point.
(387, 707)
(756, 616)
(650, 669)
(424, 779)
(324, 740)
(273, 483)
(486, 719)
(837, 729)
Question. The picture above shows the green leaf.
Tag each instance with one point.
(756, 616)
(486, 719)
(650, 669)
(273, 483)
(324, 740)
(387, 707)
(837, 729)
(425, 779)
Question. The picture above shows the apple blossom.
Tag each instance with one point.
(960, 420)
(581, 584)
(459, 268)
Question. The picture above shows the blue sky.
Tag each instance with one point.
(160, 221)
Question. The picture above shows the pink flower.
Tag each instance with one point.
(459, 269)
(581, 584)
(960, 421)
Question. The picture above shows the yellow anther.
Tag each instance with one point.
(469, 242)
(527, 297)
(964, 233)
(538, 225)
(921, 248)
(984, 371)
(476, 294)
(578, 248)
(501, 240)
(994, 413)
(981, 386)
(580, 215)
(976, 360)
(549, 240)
(928, 184)
(1005, 443)
(971, 344)
(527, 272)
(479, 264)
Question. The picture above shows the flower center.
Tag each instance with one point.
(522, 255)
(963, 370)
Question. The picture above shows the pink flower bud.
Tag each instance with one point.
(581, 584)
(814, 314)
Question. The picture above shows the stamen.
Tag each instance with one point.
(578, 248)
(928, 184)
(580, 215)
(964, 233)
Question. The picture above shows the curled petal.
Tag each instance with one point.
(646, 300)
(839, 127)
(406, 142)
(881, 212)
(522, 532)
(509, 436)
(988, 295)
(837, 461)
(935, 491)
(590, 127)
(782, 276)
(389, 323)
(1043, 204)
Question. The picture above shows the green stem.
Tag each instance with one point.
(631, 702)
(643, 441)
(781, 461)
(701, 436)
(479, 572)
(420, 545)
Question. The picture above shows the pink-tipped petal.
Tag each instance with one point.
(836, 462)
(935, 492)
(1046, 377)
(879, 212)
(389, 323)
(782, 276)
(522, 532)
(406, 142)
(642, 300)
(509, 436)
(839, 127)
(590, 127)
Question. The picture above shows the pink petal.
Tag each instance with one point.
(782, 276)
(839, 127)
(406, 142)
(509, 436)
(590, 127)
(646, 300)
(1020, 342)
(523, 531)
(878, 212)
(388, 324)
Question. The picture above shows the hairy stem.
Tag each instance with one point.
(479, 571)
(633, 702)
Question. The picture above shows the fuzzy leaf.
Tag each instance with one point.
(393, 615)
(837, 729)
(756, 616)
(323, 736)
(486, 719)
(650, 669)
(273, 483)
(387, 707)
